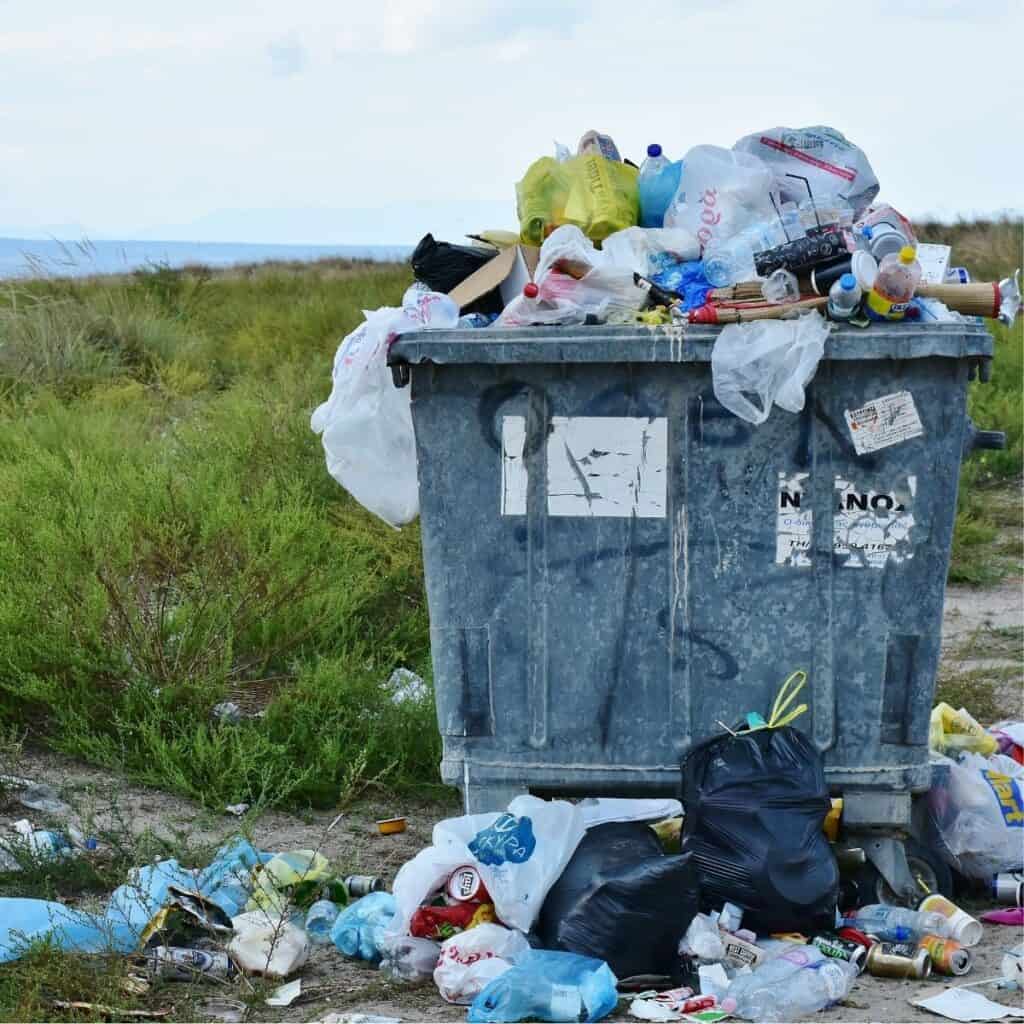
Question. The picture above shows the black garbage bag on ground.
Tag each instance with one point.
(622, 900)
(442, 266)
(755, 804)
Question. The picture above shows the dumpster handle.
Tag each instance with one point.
(982, 440)
(400, 374)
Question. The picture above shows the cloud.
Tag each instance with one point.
(287, 56)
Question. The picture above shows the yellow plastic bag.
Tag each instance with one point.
(952, 731)
(597, 195)
(282, 873)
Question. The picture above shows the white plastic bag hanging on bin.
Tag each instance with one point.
(366, 423)
(766, 362)
(520, 853)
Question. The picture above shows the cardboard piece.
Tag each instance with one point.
(508, 272)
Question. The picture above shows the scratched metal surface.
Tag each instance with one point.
(585, 634)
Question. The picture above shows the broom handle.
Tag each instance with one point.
(980, 299)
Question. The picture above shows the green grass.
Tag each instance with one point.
(171, 539)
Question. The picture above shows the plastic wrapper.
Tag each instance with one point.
(519, 854)
(832, 165)
(405, 958)
(265, 943)
(721, 192)
(977, 805)
(275, 880)
(596, 194)
(767, 362)
(550, 986)
(621, 900)
(468, 963)
(755, 806)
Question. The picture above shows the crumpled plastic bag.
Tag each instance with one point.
(406, 958)
(825, 157)
(978, 809)
(598, 195)
(274, 881)
(519, 854)
(721, 192)
(361, 927)
(636, 248)
(366, 423)
(767, 360)
(951, 731)
(469, 962)
(266, 943)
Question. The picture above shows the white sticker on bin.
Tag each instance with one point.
(597, 466)
(884, 422)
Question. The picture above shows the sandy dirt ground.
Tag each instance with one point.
(336, 985)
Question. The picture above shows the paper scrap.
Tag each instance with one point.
(934, 260)
(965, 1005)
(285, 995)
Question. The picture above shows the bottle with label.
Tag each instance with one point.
(320, 920)
(658, 182)
(897, 924)
(844, 298)
(899, 274)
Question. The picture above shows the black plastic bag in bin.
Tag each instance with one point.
(442, 266)
(755, 803)
(621, 900)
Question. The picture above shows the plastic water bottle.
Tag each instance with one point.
(898, 924)
(729, 262)
(319, 921)
(898, 276)
(658, 181)
(844, 298)
(791, 986)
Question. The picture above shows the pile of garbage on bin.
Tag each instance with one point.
(778, 239)
(738, 901)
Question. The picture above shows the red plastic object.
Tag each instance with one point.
(531, 291)
(855, 936)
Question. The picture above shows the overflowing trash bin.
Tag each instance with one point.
(686, 450)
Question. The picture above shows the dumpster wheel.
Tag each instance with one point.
(926, 865)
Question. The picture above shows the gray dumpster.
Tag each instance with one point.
(616, 564)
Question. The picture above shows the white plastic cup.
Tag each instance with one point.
(964, 928)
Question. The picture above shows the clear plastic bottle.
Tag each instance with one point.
(898, 924)
(319, 921)
(844, 297)
(791, 986)
(729, 262)
(658, 181)
(898, 276)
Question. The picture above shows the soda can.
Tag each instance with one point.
(898, 960)
(947, 956)
(358, 886)
(1008, 887)
(176, 963)
(958, 275)
(838, 948)
(466, 886)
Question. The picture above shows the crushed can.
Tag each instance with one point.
(358, 886)
(898, 960)
(947, 955)
(838, 948)
(177, 963)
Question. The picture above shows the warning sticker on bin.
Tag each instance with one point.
(884, 422)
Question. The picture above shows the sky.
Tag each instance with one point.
(331, 122)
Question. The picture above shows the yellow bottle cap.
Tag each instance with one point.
(907, 254)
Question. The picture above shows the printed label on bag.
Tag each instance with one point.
(884, 422)
(1008, 794)
(508, 839)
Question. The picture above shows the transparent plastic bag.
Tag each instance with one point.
(721, 192)
(832, 165)
(366, 423)
(405, 958)
(361, 927)
(768, 360)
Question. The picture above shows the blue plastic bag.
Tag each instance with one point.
(551, 986)
(359, 929)
(683, 277)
